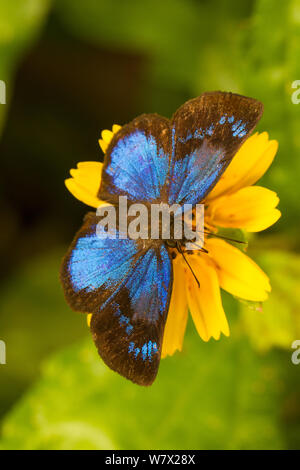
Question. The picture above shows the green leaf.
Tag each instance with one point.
(35, 321)
(269, 64)
(211, 396)
(20, 23)
(278, 322)
(152, 27)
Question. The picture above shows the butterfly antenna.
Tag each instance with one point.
(180, 251)
(224, 238)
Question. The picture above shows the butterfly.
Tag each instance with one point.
(126, 284)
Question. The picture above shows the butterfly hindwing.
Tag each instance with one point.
(206, 134)
(129, 332)
(94, 267)
(126, 285)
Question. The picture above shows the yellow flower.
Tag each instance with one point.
(233, 203)
(86, 178)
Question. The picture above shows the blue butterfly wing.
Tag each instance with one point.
(206, 134)
(153, 159)
(126, 285)
(137, 161)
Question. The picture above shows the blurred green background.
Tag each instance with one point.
(73, 68)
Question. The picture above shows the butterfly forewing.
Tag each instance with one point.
(206, 134)
(136, 163)
(153, 159)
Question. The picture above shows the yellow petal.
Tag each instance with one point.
(88, 174)
(89, 318)
(238, 274)
(248, 165)
(116, 128)
(85, 183)
(178, 313)
(205, 303)
(251, 208)
(106, 137)
(103, 145)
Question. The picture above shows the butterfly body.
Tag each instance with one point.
(127, 283)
